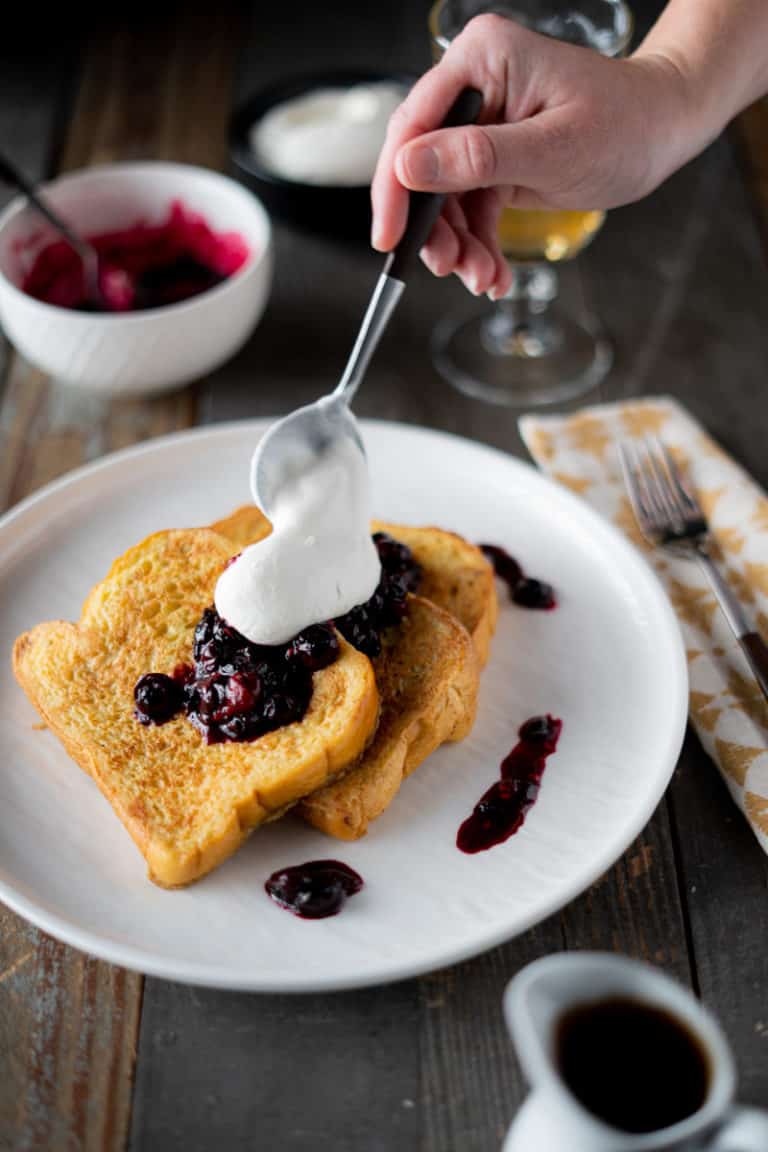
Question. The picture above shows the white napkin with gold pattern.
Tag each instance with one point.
(727, 708)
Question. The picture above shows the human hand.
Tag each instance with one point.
(562, 127)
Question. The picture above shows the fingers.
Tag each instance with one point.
(464, 241)
(482, 210)
(533, 153)
(442, 251)
(423, 109)
(475, 266)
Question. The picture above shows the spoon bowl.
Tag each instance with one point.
(290, 444)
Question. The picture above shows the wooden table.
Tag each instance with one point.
(92, 1057)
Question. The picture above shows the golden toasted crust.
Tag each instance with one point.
(246, 525)
(187, 805)
(455, 575)
(427, 675)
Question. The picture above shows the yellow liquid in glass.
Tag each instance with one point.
(542, 235)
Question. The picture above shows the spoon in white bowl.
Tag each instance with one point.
(305, 433)
(89, 257)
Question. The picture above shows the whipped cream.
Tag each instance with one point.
(329, 135)
(319, 561)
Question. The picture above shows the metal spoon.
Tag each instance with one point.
(297, 438)
(89, 257)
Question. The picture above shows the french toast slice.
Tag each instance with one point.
(455, 575)
(427, 674)
(188, 805)
(428, 677)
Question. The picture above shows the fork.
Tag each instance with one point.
(669, 516)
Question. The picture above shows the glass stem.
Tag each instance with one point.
(522, 324)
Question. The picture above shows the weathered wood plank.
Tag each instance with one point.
(635, 908)
(471, 1083)
(750, 130)
(724, 876)
(328, 1073)
(152, 86)
(80, 1056)
(157, 86)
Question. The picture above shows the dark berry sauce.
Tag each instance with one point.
(236, 690)
(400, 574)
(314, 890)
(142, 266)
(524, 590)
(500, 812)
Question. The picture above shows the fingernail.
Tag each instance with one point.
(376, 235)
(422, 165)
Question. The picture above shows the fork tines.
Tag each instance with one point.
(665, 506)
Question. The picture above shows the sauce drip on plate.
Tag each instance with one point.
(501, 811)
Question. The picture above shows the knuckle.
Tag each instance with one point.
(487, 26)
(399, 119)
(480, 155)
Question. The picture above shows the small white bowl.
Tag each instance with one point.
(151, 350)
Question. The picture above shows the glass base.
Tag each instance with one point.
(525, 351)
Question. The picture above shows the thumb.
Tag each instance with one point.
(482, 156)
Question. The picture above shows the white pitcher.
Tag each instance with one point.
(553, 1120)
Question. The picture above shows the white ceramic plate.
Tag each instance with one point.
(609, 661)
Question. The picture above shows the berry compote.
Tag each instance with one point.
(236, 690)
(314, 890)
(524, 590)
(500, 811)
(146, 265)
(400, 574)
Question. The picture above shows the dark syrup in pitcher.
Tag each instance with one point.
(632, 1065)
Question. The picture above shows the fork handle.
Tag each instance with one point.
(752, 644)
(756, 652)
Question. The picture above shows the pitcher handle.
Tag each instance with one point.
(745, 1130)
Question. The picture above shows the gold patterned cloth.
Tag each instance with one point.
(727, 708)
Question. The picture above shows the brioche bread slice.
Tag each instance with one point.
(455, 575)
(427, 674)
(246, 525)
(428, 678)
(187, 805)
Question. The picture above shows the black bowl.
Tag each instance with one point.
(337, 210)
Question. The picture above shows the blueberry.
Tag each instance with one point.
(538, 728)
(397, 560)
(504, 565)
(530, 593)
(157, 697)
(359, 627)
(314, 648)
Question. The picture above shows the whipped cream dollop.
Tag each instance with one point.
(318, 563)
(329, 135)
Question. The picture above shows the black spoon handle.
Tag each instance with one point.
(10, 174)
(424, 207)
